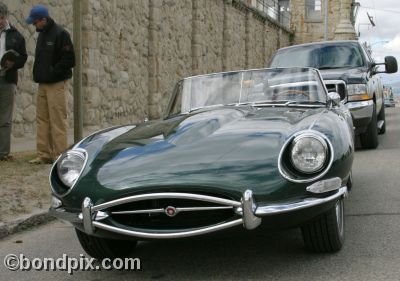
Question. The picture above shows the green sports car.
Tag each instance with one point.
(235, 149)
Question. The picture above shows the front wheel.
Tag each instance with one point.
(325, 234)
(101, 248)
(381, 117)
(369, 139)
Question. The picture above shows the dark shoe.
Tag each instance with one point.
(40, 160)
(7, 158)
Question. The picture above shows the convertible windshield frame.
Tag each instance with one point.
(255, 87)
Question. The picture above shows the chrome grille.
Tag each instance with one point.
(153, 214)
(170, 211)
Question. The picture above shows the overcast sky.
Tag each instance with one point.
(384, 37)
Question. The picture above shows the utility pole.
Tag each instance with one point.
(77, 86)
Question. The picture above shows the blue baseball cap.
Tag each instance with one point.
(37, 12)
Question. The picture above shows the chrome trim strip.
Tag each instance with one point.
(140, 234)
(149, 211)
(178, 210)
(191, 209)
(165, 195)
(306, 203)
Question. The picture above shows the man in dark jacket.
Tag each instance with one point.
(54, 60)
(13, 56)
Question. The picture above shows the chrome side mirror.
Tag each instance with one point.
(334, 98)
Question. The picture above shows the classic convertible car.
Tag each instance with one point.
(235, 149)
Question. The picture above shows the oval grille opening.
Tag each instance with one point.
(171, 214)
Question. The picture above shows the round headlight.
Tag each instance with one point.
(69, 167)
(308, 154)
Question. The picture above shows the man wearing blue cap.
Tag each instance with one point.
(54, 60)
(13, 57)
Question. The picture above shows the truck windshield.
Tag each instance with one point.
(321, 56)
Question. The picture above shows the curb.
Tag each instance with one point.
(25, 222)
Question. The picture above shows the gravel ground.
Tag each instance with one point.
(24, 187)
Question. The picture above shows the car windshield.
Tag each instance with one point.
(321, 56)
(260, 87)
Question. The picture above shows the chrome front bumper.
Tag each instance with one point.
(361, 112)
(251, 213)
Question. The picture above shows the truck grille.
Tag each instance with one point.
(338, 86)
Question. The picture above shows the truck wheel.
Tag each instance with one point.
(370, 138)
(381, 117)
(326, 233)
(101, 248)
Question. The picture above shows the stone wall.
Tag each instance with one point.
(115, 61)
(134, 51)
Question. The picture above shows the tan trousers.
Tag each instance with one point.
(51, 118)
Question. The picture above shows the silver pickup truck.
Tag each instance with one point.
(347, 68)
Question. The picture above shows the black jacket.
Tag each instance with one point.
(54, 55)
(15, 41)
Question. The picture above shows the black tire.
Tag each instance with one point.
(349, 183)
(325, 234)
(381, 117)
(369, 139)
(101, 248)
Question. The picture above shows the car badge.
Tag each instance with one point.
(170, 211)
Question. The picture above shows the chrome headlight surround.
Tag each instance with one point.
(305, 157)
(67, 169)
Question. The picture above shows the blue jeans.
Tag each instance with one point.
(7, 93)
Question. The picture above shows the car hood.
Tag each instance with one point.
(232, 148)
(349, 75)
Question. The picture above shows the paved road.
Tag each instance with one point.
(371, 251)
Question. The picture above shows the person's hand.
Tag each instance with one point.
(8, 64)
